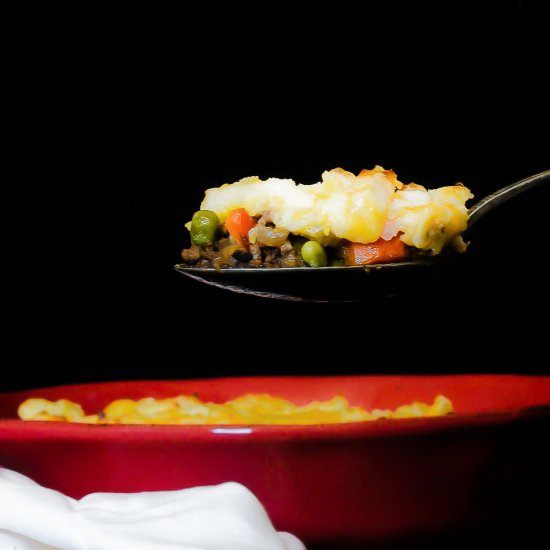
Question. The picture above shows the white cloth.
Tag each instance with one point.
(218, 517)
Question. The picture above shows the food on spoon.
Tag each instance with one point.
(247, 409)
(345, 219)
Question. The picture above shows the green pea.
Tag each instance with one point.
(314, 254)
(204, 225)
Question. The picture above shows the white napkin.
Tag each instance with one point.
(218, 517)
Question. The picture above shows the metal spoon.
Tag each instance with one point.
(348, 284)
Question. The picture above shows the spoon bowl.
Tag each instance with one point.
(316, 284)
(354, 283)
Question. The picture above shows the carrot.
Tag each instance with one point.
(378, 252)
(239, 223)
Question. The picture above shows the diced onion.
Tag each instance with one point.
(268, 236)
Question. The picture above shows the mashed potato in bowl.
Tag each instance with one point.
(251, 408)
(352, 219)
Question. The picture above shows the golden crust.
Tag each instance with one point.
(247, 409)
(363, 208)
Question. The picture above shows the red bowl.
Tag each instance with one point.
(332, 484)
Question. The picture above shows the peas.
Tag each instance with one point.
(204, 225)
(314, 254)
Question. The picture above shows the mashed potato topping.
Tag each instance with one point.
(360, 209)
(247, 409)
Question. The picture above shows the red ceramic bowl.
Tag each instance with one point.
(332, 484)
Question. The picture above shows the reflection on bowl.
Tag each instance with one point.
(355, 482)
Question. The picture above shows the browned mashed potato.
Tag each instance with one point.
(359, 208)
(247, 409)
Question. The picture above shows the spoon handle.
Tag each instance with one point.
(503, 195)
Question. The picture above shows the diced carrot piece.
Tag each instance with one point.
(239, 223)
(378, 252)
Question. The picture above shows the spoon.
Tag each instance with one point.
(353, 283)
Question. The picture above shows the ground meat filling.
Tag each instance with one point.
(272, 248)
(268, 246)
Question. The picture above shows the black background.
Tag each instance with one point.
(116, 119)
